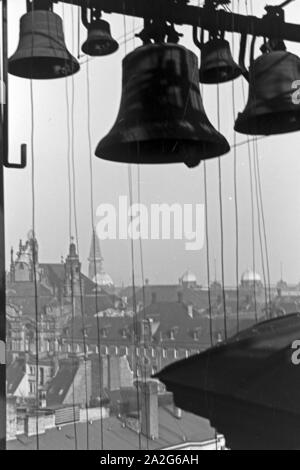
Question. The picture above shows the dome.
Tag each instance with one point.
(250, 276)
(188, 278)
(103, 279)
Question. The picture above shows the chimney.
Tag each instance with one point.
(149, 408)
(180, 297)
(177, 412)
(279, 292)
(113, 373)
(190, 311)
(154, 297)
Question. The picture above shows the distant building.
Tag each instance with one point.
(27, 260)
(22, 377)
(60, 292)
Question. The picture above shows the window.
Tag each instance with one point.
(42, 376)
(104, 333)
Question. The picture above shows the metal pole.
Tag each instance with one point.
(4, 162)
(3, 136)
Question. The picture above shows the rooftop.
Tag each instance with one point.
(115, 437)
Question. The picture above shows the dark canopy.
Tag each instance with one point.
(247, 387)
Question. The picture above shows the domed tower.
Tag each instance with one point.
(250, 279)
(188, 279)
(72, 272)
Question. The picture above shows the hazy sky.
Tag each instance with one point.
(164, 261)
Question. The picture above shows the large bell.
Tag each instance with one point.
(99, 41)
(217, 64)
(42, 52)
(161, 117)
(270, 108)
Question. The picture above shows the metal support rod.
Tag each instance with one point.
(4, 162)
(206, 18)
(2, 244)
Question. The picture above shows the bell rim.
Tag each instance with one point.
(114, 46)
(144, 155)
(236, 74)
(254, 123)
(19, 70)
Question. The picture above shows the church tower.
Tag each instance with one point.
(72, 272)
(96, 271)
(22, 269)
(95, 259)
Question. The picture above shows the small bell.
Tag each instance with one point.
(99, 41)
(161, 117)
(217, 64)
(270, 108)
(42, 52)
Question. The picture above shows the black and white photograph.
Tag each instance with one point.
(149, 228)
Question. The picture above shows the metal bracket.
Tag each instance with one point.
(4, 114)
(158, 32)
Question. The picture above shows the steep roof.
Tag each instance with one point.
(22, 294)
(14, 375)
(61, 383)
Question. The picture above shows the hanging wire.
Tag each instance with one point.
(263, 220)
(73, 167)
(135, 324)
(69, 149)
(92, 208)
(205, 186)
(259, 225)
(34, 262)
(252, 202)
(264, 249)
(235, 178)
(33, 248)
(221, 222)
(143, 284)
(208, 255)
(253, 229)
(78, 32)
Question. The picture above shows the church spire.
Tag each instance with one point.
(95, 259)
(95, 251)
